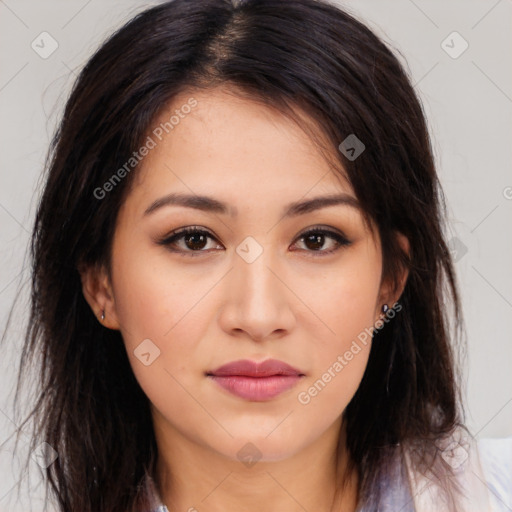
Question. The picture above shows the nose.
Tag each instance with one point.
(258, 301)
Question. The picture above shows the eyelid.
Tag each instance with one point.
(319, 228)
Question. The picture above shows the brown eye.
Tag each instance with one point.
(315, 239)
(190, 241)
(195, 241)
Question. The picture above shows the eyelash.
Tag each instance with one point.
(170, 239)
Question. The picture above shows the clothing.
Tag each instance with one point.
(496, 459)
(484, 469)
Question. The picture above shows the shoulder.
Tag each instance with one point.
(496, 461)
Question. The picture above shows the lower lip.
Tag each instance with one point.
(257, 389)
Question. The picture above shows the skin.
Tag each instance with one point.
(292, 303)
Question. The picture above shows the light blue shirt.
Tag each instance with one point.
(496, 460)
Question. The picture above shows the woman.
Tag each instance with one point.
(240, 275)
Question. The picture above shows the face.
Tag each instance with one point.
(258, 277)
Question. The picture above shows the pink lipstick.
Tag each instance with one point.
(255, 381)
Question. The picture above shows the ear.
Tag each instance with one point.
(97, 291)
(388, 295)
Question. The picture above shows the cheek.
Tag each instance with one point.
(343, 302)
(158, 318)
(152, 299)
(161, 314)
(346, 307)
(341, 355)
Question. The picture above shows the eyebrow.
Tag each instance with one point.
(210, 204)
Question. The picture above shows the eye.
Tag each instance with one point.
(194, 241)
(314, 239)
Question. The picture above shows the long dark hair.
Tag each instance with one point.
(295, 56)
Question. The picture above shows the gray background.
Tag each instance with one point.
(468, 101)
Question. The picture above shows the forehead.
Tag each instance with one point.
(219, 138)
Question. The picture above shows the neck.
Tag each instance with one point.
(191, 477)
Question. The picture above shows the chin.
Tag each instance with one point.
(250, 450)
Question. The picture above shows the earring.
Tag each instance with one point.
(385, 308)
(103, 315)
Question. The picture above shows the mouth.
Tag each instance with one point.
(255, 381)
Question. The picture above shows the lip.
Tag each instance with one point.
(256, 381)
